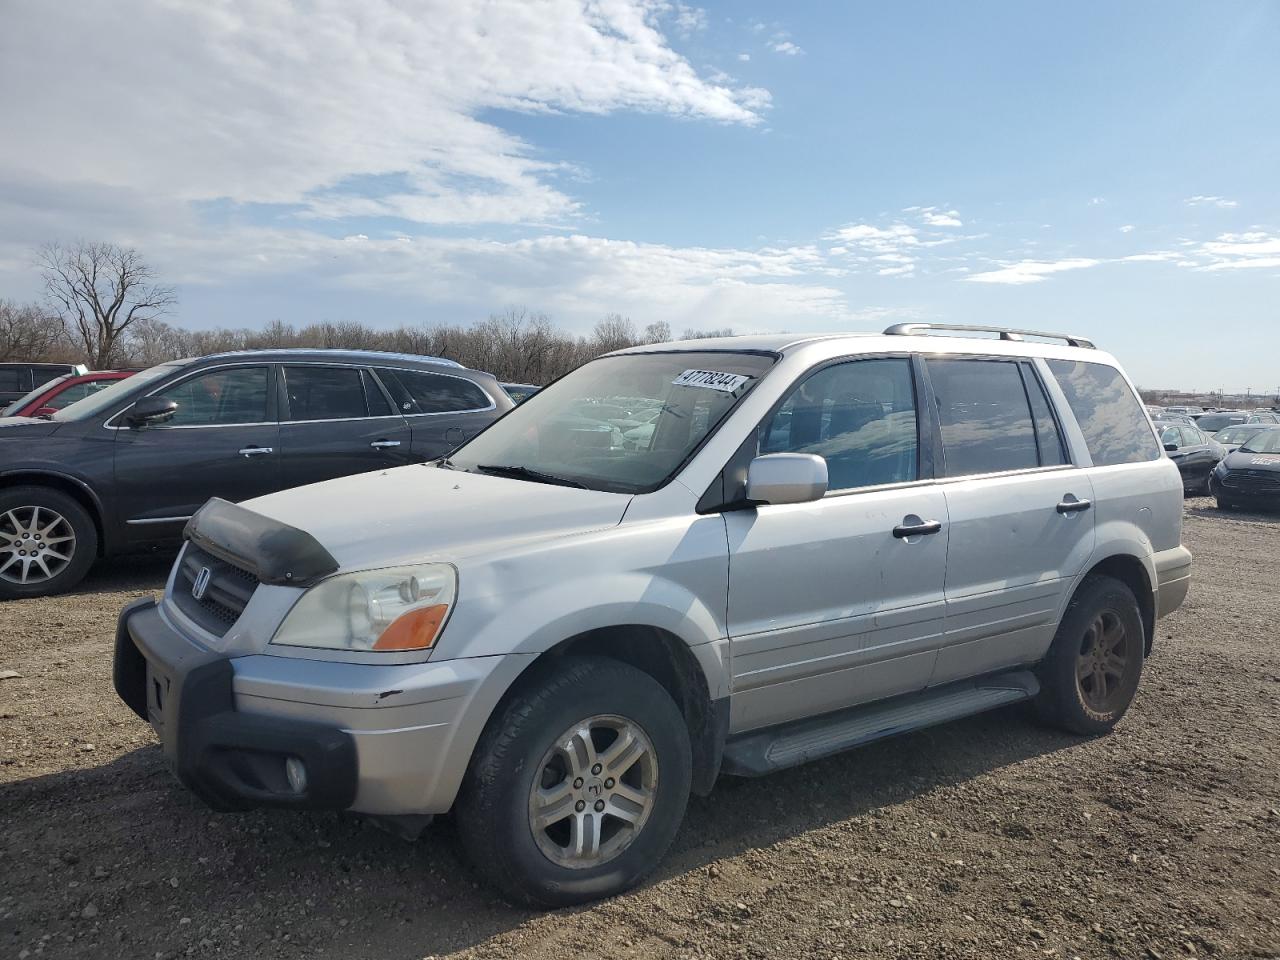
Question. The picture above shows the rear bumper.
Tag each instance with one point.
(394, 739)
(1173, 579)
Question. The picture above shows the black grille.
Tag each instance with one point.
(1253, 481)
(225, 597)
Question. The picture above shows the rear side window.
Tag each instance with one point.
(325, 393)
(13, 379)
(984, 415)
(433, 393)
(1049, 437)
(1115, 427)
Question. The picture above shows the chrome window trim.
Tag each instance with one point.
(943, 481)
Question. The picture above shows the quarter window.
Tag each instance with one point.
(984, 415)
(230, 395)
(1115, 428)
(325, 393)
(432, 393)
(859, 416)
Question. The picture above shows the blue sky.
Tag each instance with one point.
(1107, 169)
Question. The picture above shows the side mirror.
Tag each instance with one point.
(786, 478)
(1170, 447)
(150, 410)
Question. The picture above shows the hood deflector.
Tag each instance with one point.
(274, 552)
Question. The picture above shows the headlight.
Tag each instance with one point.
(398, 608)
(1220, 468)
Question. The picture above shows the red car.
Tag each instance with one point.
(50, 397)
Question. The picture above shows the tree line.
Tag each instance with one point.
(104, 308)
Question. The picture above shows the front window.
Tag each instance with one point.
(219, 397)
(1268, 441)
(117, 392)
(624, 423)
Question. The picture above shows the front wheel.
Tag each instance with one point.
(577, 786)
(1090, 676)
(47, 542)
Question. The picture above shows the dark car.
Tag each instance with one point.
(48, 398)
(1195, 454)
(1232, 437)
(1213, 422)
(126, 467)
(19, 379)
(1250, 476)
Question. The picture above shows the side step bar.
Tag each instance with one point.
(761, 752)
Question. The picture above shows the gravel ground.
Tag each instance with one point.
(989, 837)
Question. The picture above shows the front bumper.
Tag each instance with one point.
(231, 760)
(379, 739)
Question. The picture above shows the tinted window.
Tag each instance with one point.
(374, 397)
(325, 393)
(432, 393)
(985, 417)
(230, 395)
(13, 380)
(1052, 451)
(858, 416)
(1114, 425)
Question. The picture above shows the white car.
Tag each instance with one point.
(824, 540)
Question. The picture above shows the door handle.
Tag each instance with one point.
(255, 451)
(380, 444)
(1074, 506)
(916, 528)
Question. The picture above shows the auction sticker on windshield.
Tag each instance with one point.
(711, 380)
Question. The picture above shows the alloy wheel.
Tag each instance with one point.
(593, 792)
(1103, 662)
(36, 544)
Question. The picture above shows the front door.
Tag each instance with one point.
(839, 602)
(1020, 514)
(336, 421)
(222, 442)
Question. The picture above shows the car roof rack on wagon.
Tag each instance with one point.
(1005, 333)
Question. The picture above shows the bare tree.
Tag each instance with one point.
(657, 332)
(28, 332)
(613, 333)
(100, 290)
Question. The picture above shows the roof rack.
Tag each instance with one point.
(914, 329)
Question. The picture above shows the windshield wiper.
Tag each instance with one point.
(525, 473)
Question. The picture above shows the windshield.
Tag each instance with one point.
(108, 397)
(21, 402)
(1267, 441)
(623, 423)
(1216, 421)
(1235, 434)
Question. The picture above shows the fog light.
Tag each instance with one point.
(296, 771)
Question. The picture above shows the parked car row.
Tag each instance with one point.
(126, 466)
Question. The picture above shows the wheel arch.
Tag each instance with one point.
(75, 488)
(1130, 570)
(670, 661)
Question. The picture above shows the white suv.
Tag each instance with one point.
(558, 633)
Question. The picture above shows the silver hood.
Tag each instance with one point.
(421, 512)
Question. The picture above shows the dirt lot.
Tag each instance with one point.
(986, 838)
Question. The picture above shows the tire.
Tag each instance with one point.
(1089, 679)
(53, 528)
(497, 804)
(1225, 504)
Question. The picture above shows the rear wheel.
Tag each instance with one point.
(1091, 674)
(578, 785)
(47, 542)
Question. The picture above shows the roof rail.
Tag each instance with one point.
(913, 329)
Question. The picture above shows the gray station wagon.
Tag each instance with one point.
(558, 633)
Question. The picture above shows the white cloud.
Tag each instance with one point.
(1240, 251)
(1097, 201)
(785, 47)
(1030, 271)
(1127, 228)
(1201, 201)
(938, 218)
(335, 108)
(689, 20)
(744, 57)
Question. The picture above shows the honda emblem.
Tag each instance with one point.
(201, 584)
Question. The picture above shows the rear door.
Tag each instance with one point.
(336, 421)
(443, 410)
(831, 603)
(222, 442)
(1020, 514)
